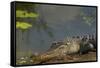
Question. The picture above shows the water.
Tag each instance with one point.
(61, 21)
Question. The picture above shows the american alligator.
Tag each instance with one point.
(70, 46)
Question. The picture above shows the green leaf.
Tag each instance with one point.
(25, 6)
(23, 25)
(88, 20)
(25, 14)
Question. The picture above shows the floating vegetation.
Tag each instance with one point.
(23, 25)
(26, 14)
